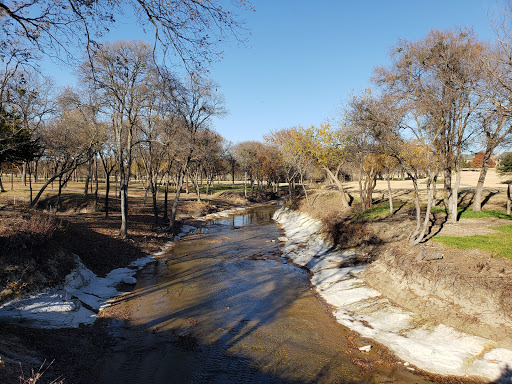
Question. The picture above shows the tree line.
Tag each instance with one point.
(440, 95)
(130, 107)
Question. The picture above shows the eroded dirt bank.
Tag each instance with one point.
(430, 286)
(470, 295)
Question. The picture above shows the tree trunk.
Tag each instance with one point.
(198, 178)
(304, 188)
(477, 200)
(36, 167)
(427, 213)
(361, 197)
(448, 189)
(166, 196)
(509, 199)
(390, 195)
(1, 185)
(339, 184)
(59, 194)
(434, 192)
(455, 197)
(174, 209)
(50, 181)
(97, 185)
(245, 185)
(88, 177)
(30, 183)
(412, 236)
(154, 198)
(123, 231)
(24, 175)
(107, 192)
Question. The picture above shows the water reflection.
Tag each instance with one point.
(223, 308)
(259, 216)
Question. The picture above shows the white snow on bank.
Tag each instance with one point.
(220, 214)
(79, 299)
(433, 347)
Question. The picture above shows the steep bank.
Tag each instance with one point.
(466, 290)
(422, 341)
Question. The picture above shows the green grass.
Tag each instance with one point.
(499, 243)
(437, 210)
(467, 213)
(440, 180)
(376, 212)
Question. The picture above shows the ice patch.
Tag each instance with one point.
(225, 213)
(433, 347)
(82, 296)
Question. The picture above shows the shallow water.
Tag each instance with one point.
(223, 306)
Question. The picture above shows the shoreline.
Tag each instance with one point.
(429, 346)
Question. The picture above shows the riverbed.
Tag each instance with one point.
(223, 306)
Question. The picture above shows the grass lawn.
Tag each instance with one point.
(499, 243)
(377, 211)
(467, 213)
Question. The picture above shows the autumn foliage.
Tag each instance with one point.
(478, 161)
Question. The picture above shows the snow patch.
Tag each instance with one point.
(81, 297)
(433, 347)
(225, 213)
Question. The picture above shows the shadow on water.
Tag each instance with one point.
(143, 356)
(224, 307)
(505, 377)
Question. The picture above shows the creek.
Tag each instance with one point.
(223, 306)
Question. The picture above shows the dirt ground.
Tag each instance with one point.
(469, 178)
(466, 289)
(37, 250)
(28, 248)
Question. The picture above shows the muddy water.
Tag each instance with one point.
(224, 307)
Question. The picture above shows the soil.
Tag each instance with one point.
(37, 250)
(466, 289)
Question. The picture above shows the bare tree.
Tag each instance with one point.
(195, 102)
(245, 154)
(327, 146)
(437, 80)
(121, 77)
(68, 141)
(191, 29)
(496, 116)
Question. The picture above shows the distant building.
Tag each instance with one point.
(500, 157)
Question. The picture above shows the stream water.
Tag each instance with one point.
(223, 306)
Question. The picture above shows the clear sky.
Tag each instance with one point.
(305, 57)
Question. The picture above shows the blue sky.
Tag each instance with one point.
(305, 57)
